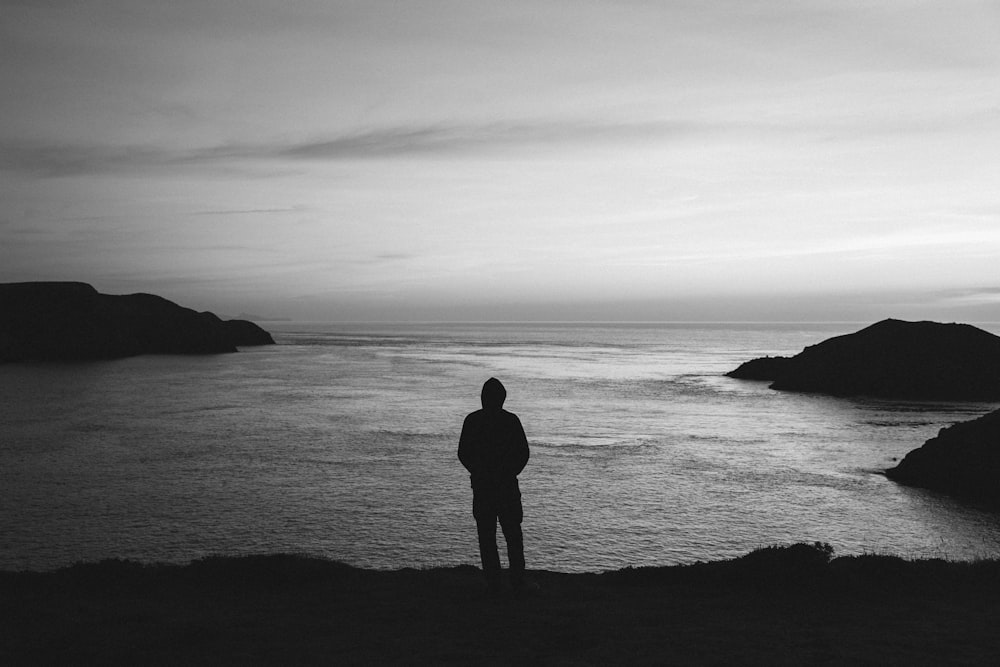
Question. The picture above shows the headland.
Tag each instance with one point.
(71, 321)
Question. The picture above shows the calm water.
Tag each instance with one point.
(340, 441)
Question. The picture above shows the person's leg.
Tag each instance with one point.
(511, 515)
(486, 527)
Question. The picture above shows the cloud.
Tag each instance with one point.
(971, 297)
(53, 160)
(384, 258)
(251, 211)
(74, 159)
(408, 140)
(458, 138)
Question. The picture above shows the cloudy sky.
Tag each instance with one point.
(526, 159)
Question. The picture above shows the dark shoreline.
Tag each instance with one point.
(778, 605)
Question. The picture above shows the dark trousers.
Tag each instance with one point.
(488, 507)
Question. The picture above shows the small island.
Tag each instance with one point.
(891, 359)
(72, 321)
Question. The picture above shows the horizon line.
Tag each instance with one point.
(595, 322)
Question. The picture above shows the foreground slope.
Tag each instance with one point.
(48, 321)
(789, 605)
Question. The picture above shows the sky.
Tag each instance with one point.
(334, 160)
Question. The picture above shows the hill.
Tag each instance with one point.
(63, 321)
(891, 359)
(962, 459)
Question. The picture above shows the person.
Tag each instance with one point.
(494, 449)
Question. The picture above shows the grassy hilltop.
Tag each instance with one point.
(778, 605)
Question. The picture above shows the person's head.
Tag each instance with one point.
(493, 394)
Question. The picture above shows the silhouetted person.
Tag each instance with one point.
(494, 449)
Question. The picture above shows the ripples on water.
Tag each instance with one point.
(341, 441)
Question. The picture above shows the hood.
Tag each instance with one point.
(493, 394)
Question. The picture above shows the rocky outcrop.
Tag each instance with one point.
(243, 333)
(763, 368)
(963, 460)
(891, 359)
(71, 321)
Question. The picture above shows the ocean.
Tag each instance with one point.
(341, 442)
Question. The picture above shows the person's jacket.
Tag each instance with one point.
(493, 446)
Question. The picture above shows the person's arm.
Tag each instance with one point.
(466, 447)
(520, 453)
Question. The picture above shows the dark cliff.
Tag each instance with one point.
(72, 321)
(963, 460)
(891, 359)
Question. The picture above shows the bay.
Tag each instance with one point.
(340, 441)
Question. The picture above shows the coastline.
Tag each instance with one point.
(777, 605)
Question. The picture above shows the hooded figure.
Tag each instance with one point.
(494, 449)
